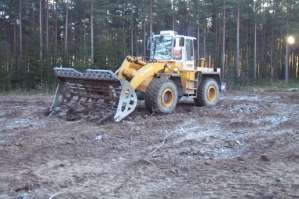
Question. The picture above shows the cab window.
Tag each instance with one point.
(189, 50)
(182, 42)
(178, 49)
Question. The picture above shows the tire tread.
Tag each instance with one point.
(152, 93)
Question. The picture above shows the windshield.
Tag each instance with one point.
(161, 48)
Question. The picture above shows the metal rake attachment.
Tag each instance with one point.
(94, 86)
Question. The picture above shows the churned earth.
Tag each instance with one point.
(246, 147)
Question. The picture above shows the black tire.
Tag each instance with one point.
(140, 95)
(207, 93)
(161, 96)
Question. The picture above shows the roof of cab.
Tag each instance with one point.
(174, 34)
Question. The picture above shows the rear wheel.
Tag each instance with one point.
(207, 93)
(161, 96)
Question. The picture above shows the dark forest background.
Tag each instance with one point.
(246, 38)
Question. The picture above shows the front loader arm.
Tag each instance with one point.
(146, 74)
(138, 72)
(129, 67)
(134, 76)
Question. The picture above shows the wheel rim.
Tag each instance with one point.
(167, 98)
(212, 93)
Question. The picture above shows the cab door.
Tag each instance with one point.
(189, 63)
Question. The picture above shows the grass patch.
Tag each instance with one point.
(278, 85)
(28, 92)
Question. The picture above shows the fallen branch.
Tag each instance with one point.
(56, 194)
(162, 144)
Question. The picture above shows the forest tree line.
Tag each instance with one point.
(245, 38)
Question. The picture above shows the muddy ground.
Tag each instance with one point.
(246, 147)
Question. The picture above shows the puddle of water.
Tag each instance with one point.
(194, 130)
(227, 152)
(253, 98)
(243, 98)
(247, 108)
(216, 139)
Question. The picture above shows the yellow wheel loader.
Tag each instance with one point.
(170, 74)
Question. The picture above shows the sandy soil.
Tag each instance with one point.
(246, 147)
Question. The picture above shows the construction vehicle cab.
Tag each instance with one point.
(170, 73)
(169, 46)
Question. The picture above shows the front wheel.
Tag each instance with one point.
(207, 93)
(161, 96)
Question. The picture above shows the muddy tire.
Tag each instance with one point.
(207, 93)
(161, 96)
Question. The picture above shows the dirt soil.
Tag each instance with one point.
(246, 147)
